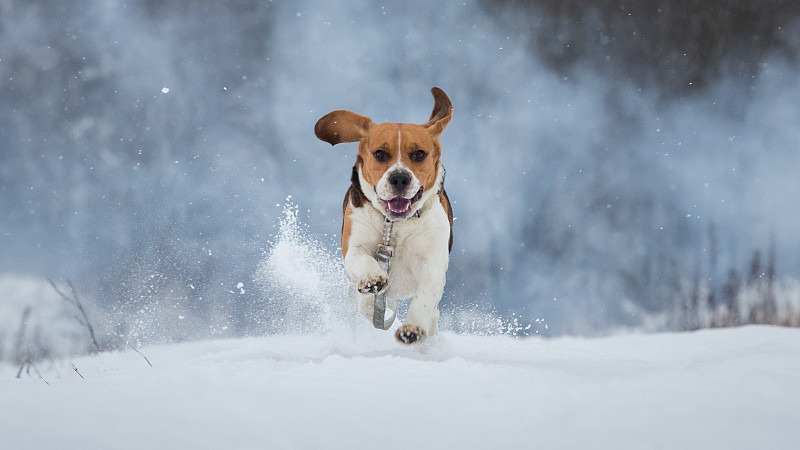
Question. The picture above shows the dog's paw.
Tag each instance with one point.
(373, 283)
(409, 334)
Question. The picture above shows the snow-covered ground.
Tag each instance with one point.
(713, 389)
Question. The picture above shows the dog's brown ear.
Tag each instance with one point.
(342, 126)
(442, 112)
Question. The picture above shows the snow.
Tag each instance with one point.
(50, 322)
(355, 388)
(325, 379)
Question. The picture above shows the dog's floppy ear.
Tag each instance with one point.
(342, 126)
(442, 112)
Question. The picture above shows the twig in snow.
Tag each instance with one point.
(39, 373)
(22, 350)
(28, 363)
(140, 353)
(76, 301)
(76, 371)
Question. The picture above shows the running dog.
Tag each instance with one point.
(398, 176)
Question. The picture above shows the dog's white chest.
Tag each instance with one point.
(420, 252)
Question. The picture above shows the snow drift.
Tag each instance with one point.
(726, 388)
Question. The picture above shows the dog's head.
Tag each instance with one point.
(398, 162)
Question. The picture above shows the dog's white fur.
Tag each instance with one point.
(420, 257)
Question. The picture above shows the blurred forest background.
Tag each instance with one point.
(612, 163)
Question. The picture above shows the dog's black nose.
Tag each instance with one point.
(399, 181)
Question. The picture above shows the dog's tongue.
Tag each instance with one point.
(399, 204)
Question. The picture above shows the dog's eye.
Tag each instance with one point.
(381, 155)
(419, 155)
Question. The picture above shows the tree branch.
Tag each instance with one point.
(75, 300)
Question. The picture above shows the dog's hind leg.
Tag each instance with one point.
(422, 319)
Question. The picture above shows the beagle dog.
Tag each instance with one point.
(398, 176)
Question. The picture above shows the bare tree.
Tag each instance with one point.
(730, 296)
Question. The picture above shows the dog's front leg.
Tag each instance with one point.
(367, 277)
(363, 271)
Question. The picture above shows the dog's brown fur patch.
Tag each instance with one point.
(400, 141)
(354, 198)
(445, 201)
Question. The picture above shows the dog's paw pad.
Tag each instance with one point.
(372, 288)
(372, 285)
(409, 334)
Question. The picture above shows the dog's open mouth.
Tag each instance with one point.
(400, 206)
